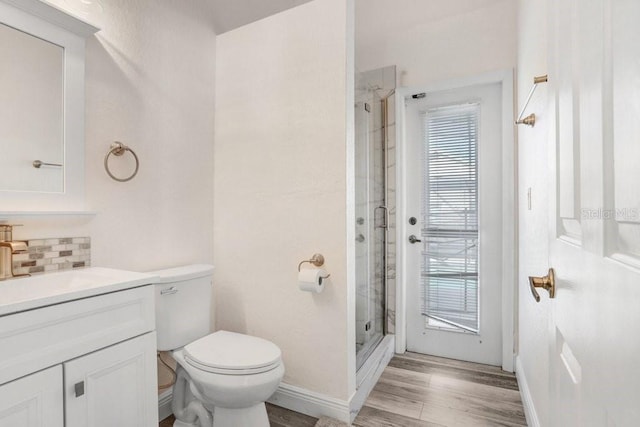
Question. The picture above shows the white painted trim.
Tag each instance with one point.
(509, 235)
(370, 372)
(314, 404)
(290, 397)
(350, 196)
(13, 215)
(54, 15)
(529, 408)
(310, 403)
(509, 223)
(401, 223)
(164, 404)
(317, 405)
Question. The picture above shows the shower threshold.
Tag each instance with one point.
(368, 374)
(365, 350)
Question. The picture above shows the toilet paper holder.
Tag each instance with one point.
(317, 260)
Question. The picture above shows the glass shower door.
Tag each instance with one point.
(371, 221)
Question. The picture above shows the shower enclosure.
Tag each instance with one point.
(371, 211)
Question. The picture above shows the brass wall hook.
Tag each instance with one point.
(547, 282)
(530, 120)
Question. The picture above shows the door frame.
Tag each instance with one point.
(509, 207)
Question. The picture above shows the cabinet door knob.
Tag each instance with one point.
(79, 388)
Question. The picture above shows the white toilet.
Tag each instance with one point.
(224, 378)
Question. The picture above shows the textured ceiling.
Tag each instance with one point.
(372, 16)
(230, 14)
(376, 18)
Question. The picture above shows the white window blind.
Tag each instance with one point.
(449, 270)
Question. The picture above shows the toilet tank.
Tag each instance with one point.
(183, 305)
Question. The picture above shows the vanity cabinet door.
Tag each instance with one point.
(115, 386)
(33, 401)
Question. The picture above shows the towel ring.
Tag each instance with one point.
(118, 149)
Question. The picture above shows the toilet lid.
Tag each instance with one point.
(232, 353)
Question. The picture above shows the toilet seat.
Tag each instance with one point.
(230, 353)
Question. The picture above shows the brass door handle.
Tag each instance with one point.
(547, 282)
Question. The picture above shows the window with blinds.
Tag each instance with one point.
(449, 270)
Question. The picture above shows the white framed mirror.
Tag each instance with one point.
(42, 107)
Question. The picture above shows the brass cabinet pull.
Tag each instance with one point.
(547, 282)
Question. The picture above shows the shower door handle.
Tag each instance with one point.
(385, 225)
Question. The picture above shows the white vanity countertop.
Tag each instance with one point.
(27, 293)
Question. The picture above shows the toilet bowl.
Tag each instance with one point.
(222, 376)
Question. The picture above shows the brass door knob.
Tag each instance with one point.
(547, 282)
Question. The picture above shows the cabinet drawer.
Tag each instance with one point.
(35, 339)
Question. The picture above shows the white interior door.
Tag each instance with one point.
(454, 269)
(594, 213)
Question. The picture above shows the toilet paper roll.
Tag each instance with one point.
(311, 279)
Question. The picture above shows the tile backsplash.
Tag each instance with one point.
(51, 255)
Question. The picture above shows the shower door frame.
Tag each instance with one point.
(363, 355)
(509, 207)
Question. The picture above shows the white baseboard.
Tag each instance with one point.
(370, 372)
(164, 404)
(315, 404)
(310, 403)
(287, 396)
(527, 401)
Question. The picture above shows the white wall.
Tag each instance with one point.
(280, 182)
(533, 254)
(150, 84)
(435, 40)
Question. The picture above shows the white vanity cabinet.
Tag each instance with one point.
(107, 388)
(85, 362)
(33, 401)
(111, 387)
